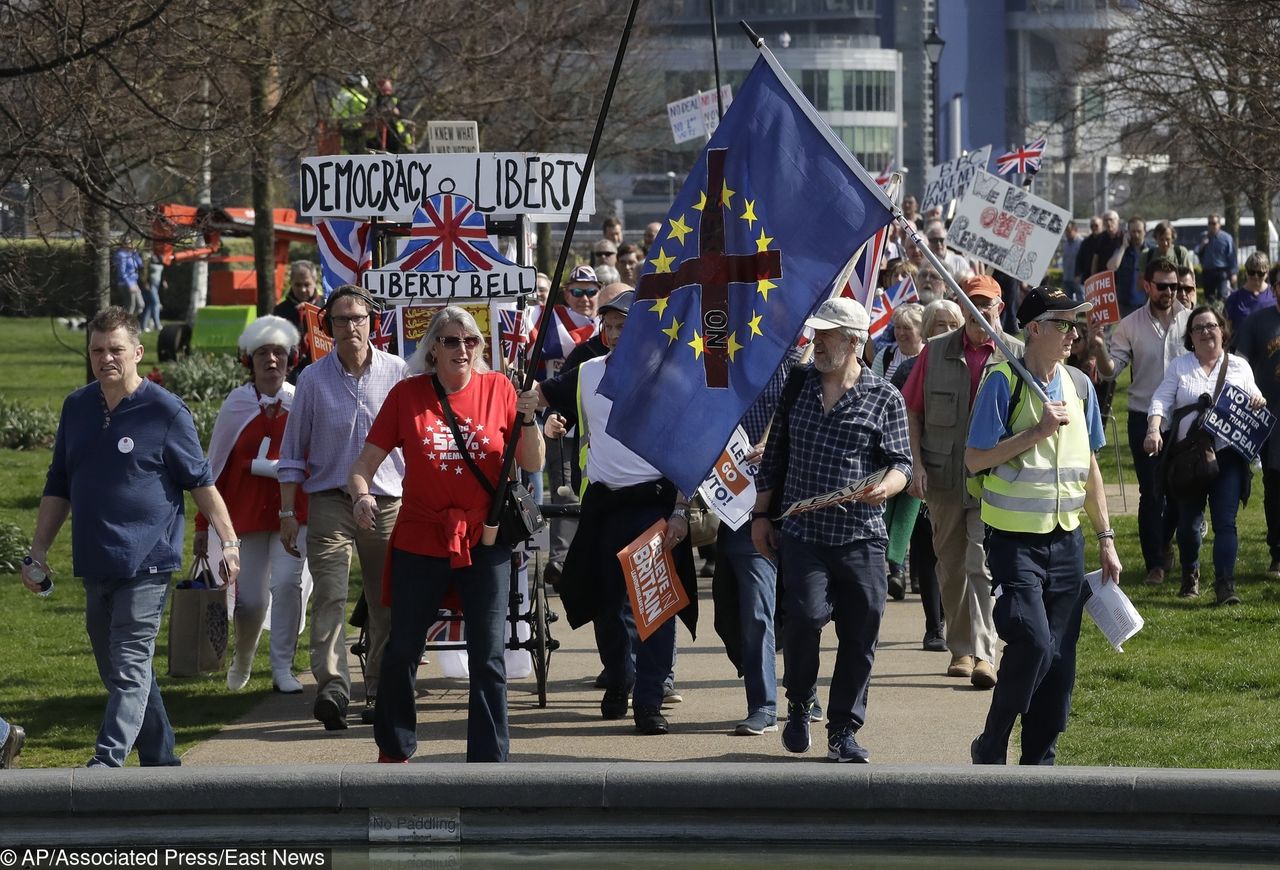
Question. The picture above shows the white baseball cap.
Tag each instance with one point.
(839, 312)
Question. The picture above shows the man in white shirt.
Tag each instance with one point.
(1147, 341)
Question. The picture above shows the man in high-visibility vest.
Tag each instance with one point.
(1038, 468)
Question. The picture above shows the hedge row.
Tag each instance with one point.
(55, 277)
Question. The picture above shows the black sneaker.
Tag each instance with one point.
(602, 680)
(331, 710)
(897, 589)
(614, 703)
(366, 715)
(795, 734)
(842, 746)
(934, 643)
(12, 747)
(650, 721)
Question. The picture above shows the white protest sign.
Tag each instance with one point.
(1007, 228)
(852, 492)
(947, 181)
(1243, 427)
(391, 186)
(401, 288)
(730, 487)
(453, 137)
(695, 116)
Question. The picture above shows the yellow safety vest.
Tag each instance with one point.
(1044, 487)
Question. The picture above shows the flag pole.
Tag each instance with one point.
(838, 146)
(715, 56)
(490, 534)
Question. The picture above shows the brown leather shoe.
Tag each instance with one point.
(1155, 576)
(984, 675)
(961, 666)
(1190, 584)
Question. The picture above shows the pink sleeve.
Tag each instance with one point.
(913, 389)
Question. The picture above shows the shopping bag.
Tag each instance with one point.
(198, 624)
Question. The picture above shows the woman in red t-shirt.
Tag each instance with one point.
(436, 541)
(243, 451)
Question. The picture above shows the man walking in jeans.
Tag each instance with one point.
(335, 404)
(846, 423)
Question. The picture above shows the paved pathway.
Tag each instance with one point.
(916, 714)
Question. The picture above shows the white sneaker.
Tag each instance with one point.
(286, 684)
(237, 679)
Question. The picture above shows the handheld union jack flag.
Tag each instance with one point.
(1021, 160)
(384, 335)
(448, 235)
(345, 252)
(513, 332)
(887, 301)
(866, 272)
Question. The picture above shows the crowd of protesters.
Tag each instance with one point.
(368, 454)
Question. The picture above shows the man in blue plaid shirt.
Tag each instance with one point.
(845, 424)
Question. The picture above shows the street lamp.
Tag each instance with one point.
(671, 187)
(933, 45)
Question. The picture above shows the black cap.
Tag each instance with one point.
(1049, 300)
(620, 303)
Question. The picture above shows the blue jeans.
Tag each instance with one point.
(1040, 581)
(1224, 504)
(122, 618)
(418, 586)
(848, 585)
(757, 582)
(151, 298)
(1157, 515)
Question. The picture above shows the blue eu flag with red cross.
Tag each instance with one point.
(765, 222)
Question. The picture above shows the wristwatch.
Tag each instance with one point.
(286, 514)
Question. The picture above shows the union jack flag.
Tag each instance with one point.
(345, 252)
(882, 309)
(384, 335)
(446, 629)
(513, 332)
(568, 329)
(1022, 160)
(448, 235)
(886, 175)
(866, 273)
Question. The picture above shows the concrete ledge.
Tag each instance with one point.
(595, 802)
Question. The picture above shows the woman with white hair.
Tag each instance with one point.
(243, 451)
(453, 422)
(907, 322)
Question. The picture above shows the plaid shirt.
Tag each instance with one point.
(331, 415)
(757, 418)
(865, 431)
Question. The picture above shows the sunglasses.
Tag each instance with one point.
(1166, 286)
(1256, 274)
(1065, 326)
(453, 342)
(579, 292)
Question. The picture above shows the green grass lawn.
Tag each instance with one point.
(1198, 687)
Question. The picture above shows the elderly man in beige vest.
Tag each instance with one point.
(939, 397)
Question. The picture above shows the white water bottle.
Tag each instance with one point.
(38, 574)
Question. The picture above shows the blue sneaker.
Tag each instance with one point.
(843, 746)
(816, 713)
(758, 722)
(795, 734)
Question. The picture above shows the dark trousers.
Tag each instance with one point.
(924, 567)
(1216, 283)
(654, 656)
(1224, 503)
(1271, 506)
(418, 587)
(1157, 515)
(848, 584)
(1040, 581)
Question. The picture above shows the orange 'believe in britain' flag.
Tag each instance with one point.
(656, 592)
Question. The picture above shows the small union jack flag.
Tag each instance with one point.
(866, 273)
(448, 235)
(384, 336)
(888, 300)
(886, 175)
(447, 628)
(345, 252)
(513, 332)
(1022, 160)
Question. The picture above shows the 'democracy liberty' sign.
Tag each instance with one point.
(392, 186)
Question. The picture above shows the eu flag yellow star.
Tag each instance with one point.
(702, 201)
(762, 243)
(663, 262)
(763, 286)
(660, 306)
(754, 323)
(679, 228)
(749, 214)
(725, 193)
(672, 332)
(698, 344)
(734, 347)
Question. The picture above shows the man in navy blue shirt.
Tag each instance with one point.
(125, 451)
(846, 423)
(1218, 263)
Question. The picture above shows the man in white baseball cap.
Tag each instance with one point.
(839, 424)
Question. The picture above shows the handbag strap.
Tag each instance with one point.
(457, 437)
(1201, 404)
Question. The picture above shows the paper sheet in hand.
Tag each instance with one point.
(1112, 611)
